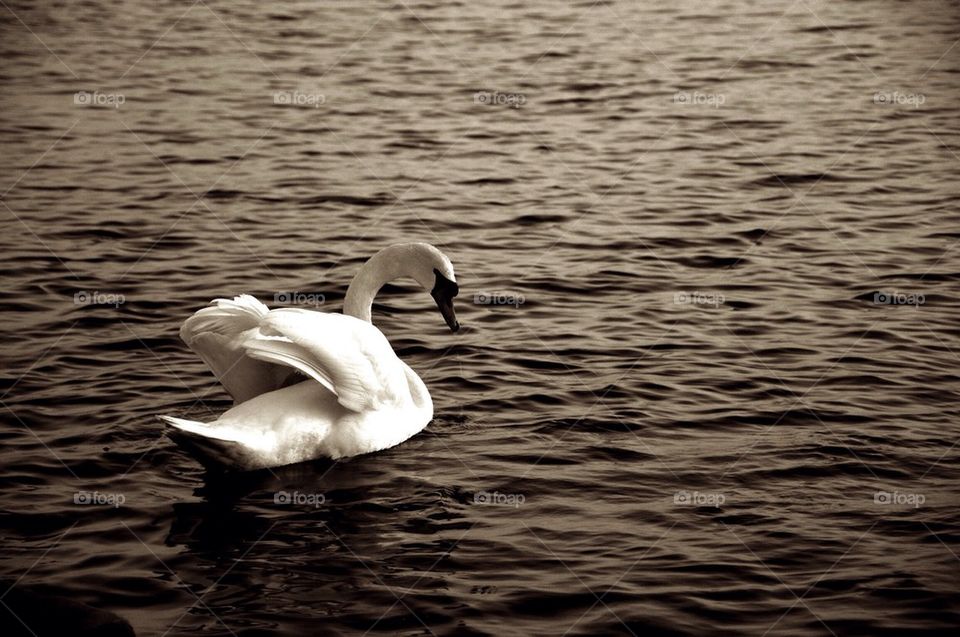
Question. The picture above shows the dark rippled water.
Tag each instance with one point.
(701, 419)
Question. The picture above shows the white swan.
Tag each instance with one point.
(358, 396)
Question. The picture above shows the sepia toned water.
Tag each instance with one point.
(708, 383)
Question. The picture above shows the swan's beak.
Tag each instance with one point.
(443, 292)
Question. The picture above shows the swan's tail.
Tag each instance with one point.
(211, 448)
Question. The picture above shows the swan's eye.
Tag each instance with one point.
(443, 292)
(444, 287)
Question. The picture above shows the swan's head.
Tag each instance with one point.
(434, 272)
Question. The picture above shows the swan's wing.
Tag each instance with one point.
(349, 356)
(217, 334)
(282, 351)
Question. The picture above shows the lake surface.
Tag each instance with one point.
(716, 391)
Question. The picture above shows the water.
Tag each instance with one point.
(687, 427)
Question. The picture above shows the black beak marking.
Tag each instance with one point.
(443, 292)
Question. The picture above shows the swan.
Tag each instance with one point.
(309, 384)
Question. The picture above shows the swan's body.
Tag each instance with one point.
(358, 397)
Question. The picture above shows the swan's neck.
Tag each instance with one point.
(385, 266)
